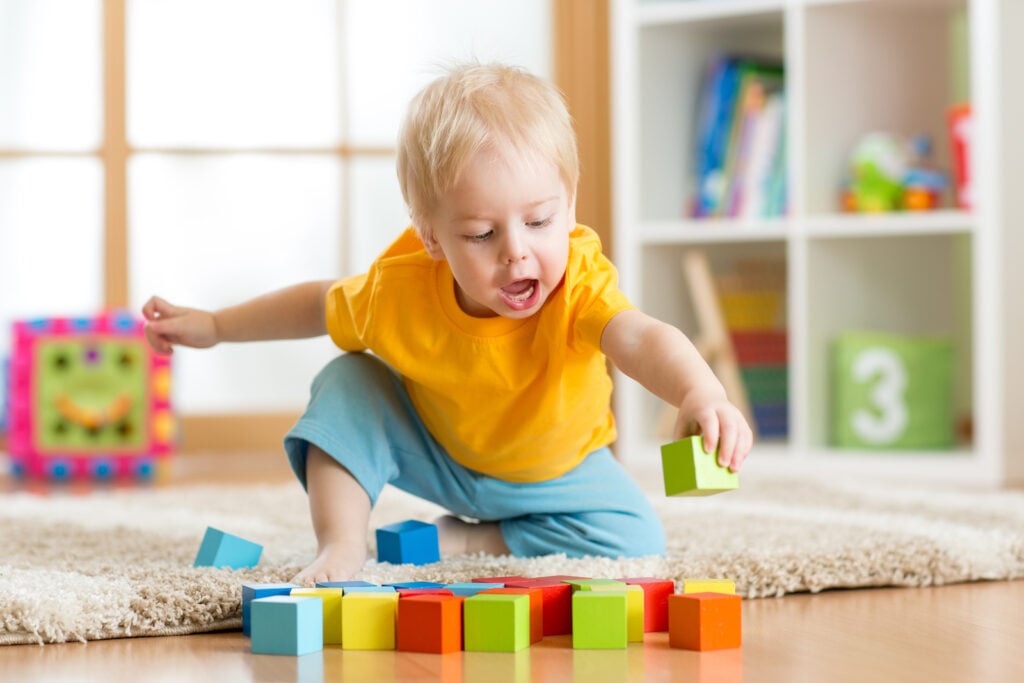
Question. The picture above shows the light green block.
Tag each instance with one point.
(634, 606)
(892, 392)
(691, 471)
(494, 622)
(600, 620)
(595, 584)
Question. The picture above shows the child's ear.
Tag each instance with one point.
(430, 242)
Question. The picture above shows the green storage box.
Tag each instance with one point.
(892, 391)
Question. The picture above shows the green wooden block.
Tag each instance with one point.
(599, 620)
(494, 622)
(892, 391)
(689, 470)
(595, 584)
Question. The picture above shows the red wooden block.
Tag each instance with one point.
(656, 592)
(536, 608)
(430, 623)
(704, 621)
(497, 579)
(557, 599)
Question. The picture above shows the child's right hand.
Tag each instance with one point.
(168, 325)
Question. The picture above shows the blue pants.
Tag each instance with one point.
(360, 414)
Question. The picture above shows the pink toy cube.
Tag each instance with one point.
(88, 398)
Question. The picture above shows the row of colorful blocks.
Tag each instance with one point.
(500, 614)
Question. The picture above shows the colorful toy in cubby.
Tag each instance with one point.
(600, 619)
(368, 620)
(752, 297)
(221, 549)
(496, 623)
(408, 542)
(254, 591)
(430, 623)
(287, 625)
(892, 391)
(705, 621)
(331, 598)
(689, 470)
(88, 398)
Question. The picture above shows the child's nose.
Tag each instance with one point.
(515, 250)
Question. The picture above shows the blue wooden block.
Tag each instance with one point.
(408, 542)
(287, 625)
(415, 584)
(254, 591)
(220, 549)
(343, 584)
(467, 589)
(369, 589)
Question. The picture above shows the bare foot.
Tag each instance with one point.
(456, 537)
(336, 562)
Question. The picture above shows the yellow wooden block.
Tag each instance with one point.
(332, 610)
(368, 621)
(634, 614)
(709, 586)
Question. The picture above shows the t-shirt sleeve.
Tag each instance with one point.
(595, 294)
(348, 306)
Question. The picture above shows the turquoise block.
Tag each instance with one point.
(287, 625)
(220, 549)
(368, 589)
(254, 591)
(470, 589)
(689, 470)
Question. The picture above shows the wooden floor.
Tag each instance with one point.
(970, 632)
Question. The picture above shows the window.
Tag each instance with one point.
(211, 150)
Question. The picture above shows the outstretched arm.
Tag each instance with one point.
(666, 363)
(294, 312)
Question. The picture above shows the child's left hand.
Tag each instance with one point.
(720, 423)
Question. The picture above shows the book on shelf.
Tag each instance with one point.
(740, 139)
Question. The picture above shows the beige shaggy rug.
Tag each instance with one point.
(119, 563)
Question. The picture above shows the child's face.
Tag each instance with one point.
(504, 230)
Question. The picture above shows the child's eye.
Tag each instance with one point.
(480, 236)
(540, 223)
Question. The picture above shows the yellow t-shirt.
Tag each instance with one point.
(521, 400)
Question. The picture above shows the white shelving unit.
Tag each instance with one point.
(852, 67)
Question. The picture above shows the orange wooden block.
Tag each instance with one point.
(704, 621)
(536, 609)
(430, 623)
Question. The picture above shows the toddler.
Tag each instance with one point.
(489, 322)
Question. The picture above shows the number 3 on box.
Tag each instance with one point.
(890, 418)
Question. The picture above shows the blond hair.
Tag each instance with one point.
(476, 107)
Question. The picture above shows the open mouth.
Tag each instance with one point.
(521, 294)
